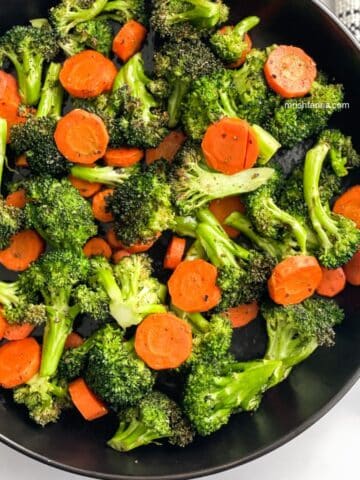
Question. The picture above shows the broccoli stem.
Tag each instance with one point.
(3, 139)
(196, 251)
(30, 77)
(246, 25)
(239, 221)
(268, 145)
(52, 94)
(185, 226)
(205, 13)
(104, 175)
(180, 88)
(58, 326)
(320, 219)
(80, 15)
(217, 248)
(132, 435)
(198, 322)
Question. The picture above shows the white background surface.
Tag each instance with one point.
(328, 450)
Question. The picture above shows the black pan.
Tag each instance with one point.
(312, 389)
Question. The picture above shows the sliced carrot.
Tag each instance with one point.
(3, 324)
(229, 146)
(87, 74)
(112, 239)
(348, 205)
(352, 270)
(167, 149)
(123, 157)
(21, 161)
(99, 206)
(74, 340)
(129, 40)
(174, 253)
(290, 72)
(119, 255)
(193, 288)
(294, 279)
(333, 282)
(224, 207)
(25, 247)
(17, 199)
(81, 137)
(97, 247)
(85, 400)
(9, 100)
(86, 189)
(9, 111)
(18, 331)
(243, 314)
(9, 87)
(19, 362)
(163, 341)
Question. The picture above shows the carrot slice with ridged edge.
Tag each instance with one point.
(19, 362)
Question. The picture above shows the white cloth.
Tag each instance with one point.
(349, 12)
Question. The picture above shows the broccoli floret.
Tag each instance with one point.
(142, 206)
(103, 175)
(338, 237)
(269, 219)
(342, 153)
(132, 291)
(123, 10)
(298, 119)
(296, 331)
(114, 372)
(194, 185)
(92, 302)
(28, 48)
(58, 212)
(156, 417)
(229, 44)
(96, 34)
(3, 140)
(11, 221)
(180, 63)
(242, 273)
(187, 18)
(214, 392)
(45, 399)
(143, 123)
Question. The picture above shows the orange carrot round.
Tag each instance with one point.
(348, 205)
(74, 340)
(333, 282)
(352, 270)
(290, 72)
(97, 247)
(141, 247)
(21, 161)
(174, 253)
(163, 341)
(86, 189)
(81, 137)
(8, 86)
(99, 206)
(9, 100)
(123, 157)
(25, 247)
(19, 362)
(112, 239)
(87, 74)
(119, 255)
(129, 40)
(192, 286)
(243, 314)
(227, 147)
(224, 207)
(167, 149)
(85, 400)
(294, 280)
(18, 331)
(16, 199)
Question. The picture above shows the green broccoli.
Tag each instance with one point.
(242, 273)
(142, 205)
(132, 291)
(295, 331)
(103, 175)
(93, 302)
(11, 221)
(187, 18)
(156, 417)
(342, 153)
(229, 43)
(58, 212)
(95, 34)
(180, 63)
(28, 49)
(123, 10)
(143, 122)
(338, 237)
(194, 185)
(3, 140)
(214, 392)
